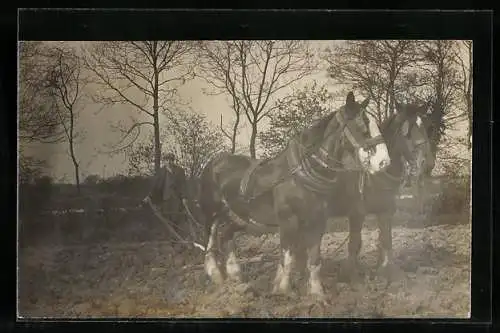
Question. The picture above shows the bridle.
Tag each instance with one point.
(411, 145)
(349, 127)
(307, 174)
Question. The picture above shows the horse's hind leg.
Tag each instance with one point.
(211, 266)
(233, 269)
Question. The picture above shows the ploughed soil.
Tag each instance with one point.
(124, 266)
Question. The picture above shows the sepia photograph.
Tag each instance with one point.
(245, 178)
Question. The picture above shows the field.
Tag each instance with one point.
(76, 265)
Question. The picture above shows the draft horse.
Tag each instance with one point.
(287, 194)
(407, 141)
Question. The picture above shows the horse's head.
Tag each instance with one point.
(410, 139)
(354, 136)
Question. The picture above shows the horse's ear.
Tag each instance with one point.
(364, 104)
(350, 98)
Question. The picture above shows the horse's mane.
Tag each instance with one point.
(310, 134)
(387, 123)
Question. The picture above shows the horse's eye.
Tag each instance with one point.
(369, 150)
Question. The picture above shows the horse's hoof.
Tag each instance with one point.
(280, 292)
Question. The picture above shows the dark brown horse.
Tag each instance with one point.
(289, 193)
(407, 141)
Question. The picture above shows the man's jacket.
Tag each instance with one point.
(170, 183)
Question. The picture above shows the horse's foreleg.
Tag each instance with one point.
(288, 233)
(315, 287)
(354, 246)
(385, 239)
(385, 257)
(211, 266)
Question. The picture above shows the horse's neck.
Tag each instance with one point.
(395, 169)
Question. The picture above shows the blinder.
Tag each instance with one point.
(353, 134)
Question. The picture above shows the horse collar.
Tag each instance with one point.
(246, 177)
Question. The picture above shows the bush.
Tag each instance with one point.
(134, 186)
(34, 197)
(454, 197)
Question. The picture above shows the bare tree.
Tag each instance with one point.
(465, 64)
(29, 169)
(252, 72)
(294, 113)
(373, 67)
(188, 134)
(144, 75)
(141, 156)
(217, 68)
(37, 121)
(442, 78)
(66, 83)
(194, 139)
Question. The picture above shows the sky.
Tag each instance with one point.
(97, 122)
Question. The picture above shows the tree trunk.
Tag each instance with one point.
(387, 102)
(253, 138)
(469, 98)
(437, 112)
(157, 143)
(235, 133)
(72, 150)
(392, 80)
(156, 121)
(76, 166)
(77, 177)
(391, 98)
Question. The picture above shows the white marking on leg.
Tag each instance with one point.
(212, 269)
(315, 287)
(282, 281)
(210, 263)
(385, 257)
(211, 238)
(277, 279)
(233, 267)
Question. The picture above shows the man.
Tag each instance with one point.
(169, 191)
